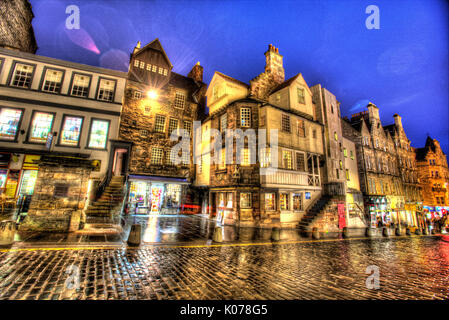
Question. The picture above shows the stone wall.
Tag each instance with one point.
(327, 221)
(58, 199)
(16, 31)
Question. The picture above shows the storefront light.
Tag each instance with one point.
(152, 94)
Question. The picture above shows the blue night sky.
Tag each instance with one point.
(402, 67)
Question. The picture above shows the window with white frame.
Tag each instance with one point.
(22, 75)
(245, 200)
(180, 99)
(223, 122)
(285, 123)
(80, 85)
(156, 155)
(52, 81)
(300, 94)
(301, 129)
(172, 125)
(287, 159)
(245, 117)
(106, 90)
(159, 123)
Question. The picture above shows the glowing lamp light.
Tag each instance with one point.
(152, 94)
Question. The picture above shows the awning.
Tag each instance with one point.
(158, 179)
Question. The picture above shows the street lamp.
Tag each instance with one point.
(152, 94)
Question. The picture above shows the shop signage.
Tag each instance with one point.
(341, 215)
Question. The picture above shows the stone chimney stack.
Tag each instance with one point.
(373, 111)
(397, 120)
(196, 73)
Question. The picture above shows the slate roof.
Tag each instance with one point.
(284, 84)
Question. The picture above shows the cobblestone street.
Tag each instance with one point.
(410, 268)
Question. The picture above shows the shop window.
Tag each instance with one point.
(159, 124)
(230, 201)
(180, 99)
(297, 202)
(300, 162)
(41, 126)
(28, 182)
(285, 123)
(287, 159)
(106, 90)
(156, 155)
(283, 201)
(52, 81)
(270, 200)
(173, 195)
(3, 174)
(80, 85)
(22, 76)
(172, 125)
(245, 200)
(71, 131)
(98, 135)
(9, 123)
(300, 95)
(245, 117)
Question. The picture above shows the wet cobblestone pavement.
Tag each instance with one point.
(410, 268)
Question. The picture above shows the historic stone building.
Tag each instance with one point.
(380, 170)
(157, 102)
(16, 31)
(433, 175)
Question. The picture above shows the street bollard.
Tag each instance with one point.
(275, 234)
(385, 232)
(218, 234)
(407, 231)
(7, 232)
(369, 232)
(418, 231)
(345, 232)
(315, 233)
(135, 235)
(397, 231)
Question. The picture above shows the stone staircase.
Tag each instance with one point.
(314, 212)
(109, 200)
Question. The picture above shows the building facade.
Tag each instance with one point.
(58, 119)
(433, 178)
(157, 102)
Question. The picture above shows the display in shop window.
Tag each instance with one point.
(98, 134)
(270, 200)
(9, 123)
(71, 131)
(40, 127)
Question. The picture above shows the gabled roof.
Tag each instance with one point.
(155, 45)
(232, 79)
(391, 128)
(421, 153)
(285, 84)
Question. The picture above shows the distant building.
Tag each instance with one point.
(433, 177)
(58, 121)
(158, 101)
(16, 31)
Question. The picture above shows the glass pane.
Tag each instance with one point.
(9, 122)
(41, 127)
(99, 134)
(28, 181)
(71, 131)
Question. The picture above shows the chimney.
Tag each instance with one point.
(373, 111)
(196, 73)
(397, 120)
(137, 48)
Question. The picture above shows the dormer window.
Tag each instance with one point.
(301, 97)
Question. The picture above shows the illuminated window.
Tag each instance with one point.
(22, 75)
(148, 67)
(270, 201)
(222, 164)
(246, 157)
(245, 117)
(159, 124)
(287, 159)
(335, 136)
(278, 97)
(71, 130)
(156, 155)
(41, 125)
(285, 123)
(137, 94)
(265, 157)
(245, 200)
(351, 154)
(142, 65)
(341, 165)
(223, 122)
(188, 126)
(106, 90)
(347, 174)
(301, 97)
(180, 99)
(161, 70)
(300, 162)
(172, 125)
(345, 152)
(9, 123)
(165, 72)
(154, 69)
(297, 202)
(136, 63)
(98, 136)
(301, 129)
(80, 86)
(283, 201)
(52, 81)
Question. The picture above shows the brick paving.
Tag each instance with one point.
(410, 268)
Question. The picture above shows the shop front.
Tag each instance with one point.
(156, 195)
(377, 209)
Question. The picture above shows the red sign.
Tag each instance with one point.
(341, 215)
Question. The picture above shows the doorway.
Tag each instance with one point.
(120, 161)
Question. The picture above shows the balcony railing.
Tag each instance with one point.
(286, 177)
